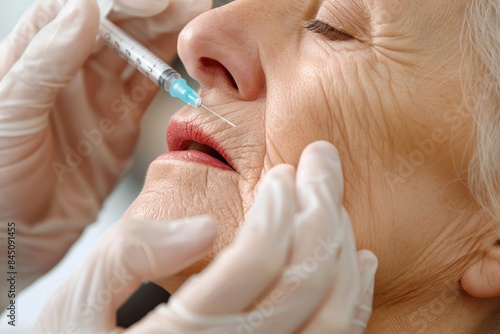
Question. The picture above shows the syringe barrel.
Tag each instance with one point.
(137, 55)
(167, 78)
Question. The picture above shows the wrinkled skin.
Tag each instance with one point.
(390, 99)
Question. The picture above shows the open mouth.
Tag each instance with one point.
(189, 141)
(195, 146)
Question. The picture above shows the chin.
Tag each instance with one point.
(198, 176)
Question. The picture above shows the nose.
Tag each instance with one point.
(219, 51)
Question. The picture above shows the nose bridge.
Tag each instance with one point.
(256, 22)
(267, 19)
(230, 46)
(251, 20)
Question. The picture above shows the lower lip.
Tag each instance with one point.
(196, 157)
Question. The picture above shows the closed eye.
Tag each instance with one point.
(329, 32)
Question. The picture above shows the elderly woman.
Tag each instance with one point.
(408, 91)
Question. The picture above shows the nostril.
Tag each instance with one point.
(216, 66)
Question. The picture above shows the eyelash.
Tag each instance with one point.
(329, 32)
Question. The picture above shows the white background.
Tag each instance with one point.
(151, 144)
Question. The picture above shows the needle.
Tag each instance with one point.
(222, 118)
(148, 63)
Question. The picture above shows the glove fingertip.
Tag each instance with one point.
(367, 259)
(368, 263)
(153, 249)
(202, 229)
(275, 200)
(278, 181)
(323, 151)
(141, 8)
(324, 148)
(320, 165)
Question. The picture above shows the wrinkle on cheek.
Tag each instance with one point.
(273, 156)
(251, 187)
(379, 106)
(349, 107)
(357, 98)
(254, 169)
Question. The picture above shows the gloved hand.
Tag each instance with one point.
(129, 253)
(292, 268)
(68, 119)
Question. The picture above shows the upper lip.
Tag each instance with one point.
(180, 135)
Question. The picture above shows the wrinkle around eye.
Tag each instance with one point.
(352, 17)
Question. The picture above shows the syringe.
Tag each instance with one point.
(150, 65)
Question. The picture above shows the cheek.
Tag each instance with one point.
(298, 112)
(341, 99)
(325, 95)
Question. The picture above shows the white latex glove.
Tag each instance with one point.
(129, 253)
(293, 267)
(68, 120)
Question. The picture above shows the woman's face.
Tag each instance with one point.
(380, 79)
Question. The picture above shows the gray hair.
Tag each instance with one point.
(482, 33)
